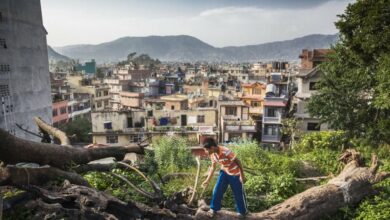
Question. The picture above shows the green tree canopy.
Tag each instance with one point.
(354, 91)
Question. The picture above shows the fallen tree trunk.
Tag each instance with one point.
(17, 176)
(14, 150)
(55, 132)
(349, 187)
(75, 202)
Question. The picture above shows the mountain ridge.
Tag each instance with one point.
(185, 48)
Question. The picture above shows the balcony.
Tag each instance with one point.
(240, 128)
(271, 138)
(272, 120)
(182, 129)
(256, 110)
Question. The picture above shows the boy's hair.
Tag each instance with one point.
(209, 142)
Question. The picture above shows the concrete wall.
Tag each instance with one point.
(28, 80)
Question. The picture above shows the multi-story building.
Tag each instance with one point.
(87, 68)
(131, 99)
(274, 111)
(116, 87)
(100, 97)
(175, 102)
(118, 128)
(234, 121)
(79, 106)
(308, 76)
(60, 113)
(253, 95)
(24, 69)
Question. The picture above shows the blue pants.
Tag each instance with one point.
(220, 188)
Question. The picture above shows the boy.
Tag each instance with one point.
(231, 173)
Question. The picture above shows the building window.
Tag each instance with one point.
(129, 122)
(4, 91)
(63, 110)
(313, 126)
(2, 43)
(55, 112)
(230, 111)
(98, 104)
(271, 112)
(105, 103)
(255, 104)
(1, 17)
(108, 125)
(5, 68)
(200, 119)
(135, 138)
(69, 109)
(271, 130)
(112, 139)
(312, 86)
(105, 93)
(98, 94)
(172, 107)
(257, 91)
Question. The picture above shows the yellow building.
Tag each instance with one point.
(253, 95)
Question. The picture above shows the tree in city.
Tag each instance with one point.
(354, 90)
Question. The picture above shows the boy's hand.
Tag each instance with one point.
(242, 179)
(205, 184)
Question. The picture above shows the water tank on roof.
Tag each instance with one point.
(270, 90)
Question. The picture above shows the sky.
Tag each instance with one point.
(216, 22)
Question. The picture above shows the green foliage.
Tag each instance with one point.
(324, 160)
(172, 154)
(257, 185)
(81, 127)
(142, 59)
(283, 186)
(100, 73)
(353, 92)
(333, 140)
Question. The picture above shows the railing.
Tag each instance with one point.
(275, 120)
(181, 129)
(271, 138)
(251, 128)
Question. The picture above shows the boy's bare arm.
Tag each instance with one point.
(212, 169)
(242, 175)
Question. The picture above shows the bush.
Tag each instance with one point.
(172, 154)
(333, 140)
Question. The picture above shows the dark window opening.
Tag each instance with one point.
(129, 122)
(271, 112)
(2, 43)
(312, 86)
(231, 111)
(313, 126)
(107, 125)
(200, 119)
(112, 139)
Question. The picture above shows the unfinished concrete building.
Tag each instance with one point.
(24, 71)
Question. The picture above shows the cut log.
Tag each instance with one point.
(55, 132)
(348, 188)
(14, 150)
(17, 176)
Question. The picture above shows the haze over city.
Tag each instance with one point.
(219, 23)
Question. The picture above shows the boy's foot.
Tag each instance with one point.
(242, 216)
(211, 213)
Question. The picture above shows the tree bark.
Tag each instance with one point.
(17, 176)
(55, 132)
(15, 150)
(349, 187)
